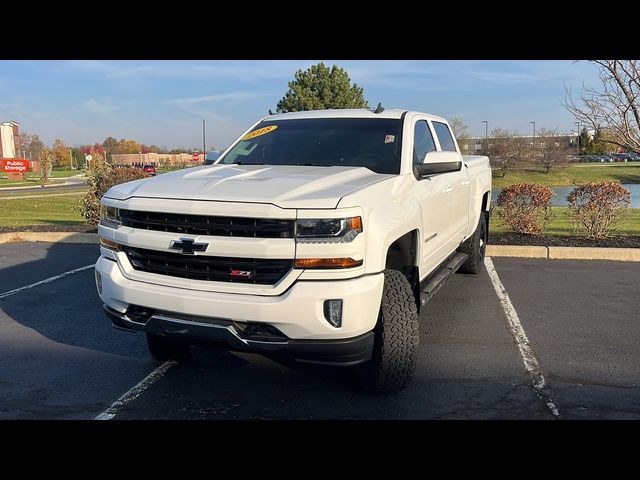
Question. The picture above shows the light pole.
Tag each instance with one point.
(204, 148)
(578, 138)
(486, 134)
(534, 139)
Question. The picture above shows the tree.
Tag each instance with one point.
(320, 87)
(549, 148)
(46, 161)
(615, 104)
(506, 148)
(31, 144)
(128, 146)
(459, 128)
(61, 156)
(585, 141)
(110, 144)
(78, 157)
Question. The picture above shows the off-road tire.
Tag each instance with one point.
(163, 348)
(393, 360)
(475, 246)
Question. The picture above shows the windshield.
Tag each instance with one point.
(373, 143)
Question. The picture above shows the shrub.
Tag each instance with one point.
(596, 207)
(101, 177)
(526, 207)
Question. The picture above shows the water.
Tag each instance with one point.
(560, 200)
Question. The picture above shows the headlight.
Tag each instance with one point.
(328, 230)
(109, 216)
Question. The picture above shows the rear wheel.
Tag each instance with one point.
(393, 360)
(163, 348)
(475, 246)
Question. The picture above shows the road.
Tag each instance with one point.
(62, 359)
(71, 183)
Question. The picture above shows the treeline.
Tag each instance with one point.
(64, 156)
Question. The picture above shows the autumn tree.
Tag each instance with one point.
(614, 104)
(45, 158)
(61, 155)
(320, 87)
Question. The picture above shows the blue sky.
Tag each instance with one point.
(164, 102)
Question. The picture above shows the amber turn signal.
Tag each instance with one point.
(327, 263)
(110, 245)
(355, 223)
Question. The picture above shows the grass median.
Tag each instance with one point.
(43, 210)
(561, 224)
(577, 174)
(33, 179)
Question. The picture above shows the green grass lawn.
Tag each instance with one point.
(572, 175)
(47, 210)
(562, 225)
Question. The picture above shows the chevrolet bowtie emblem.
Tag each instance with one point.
(188, 246)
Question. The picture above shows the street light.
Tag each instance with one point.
(578, 138)
(534, 137)
(486, 134)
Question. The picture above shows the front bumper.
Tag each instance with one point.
(297, 313)
(225, 334)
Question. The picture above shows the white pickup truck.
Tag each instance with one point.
(317, 235)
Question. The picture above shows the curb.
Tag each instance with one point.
(565, 253)
(54, 237)
(519, 251)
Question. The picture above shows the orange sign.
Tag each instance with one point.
(15, 165)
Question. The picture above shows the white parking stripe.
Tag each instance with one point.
(46, 280)
(531, 363)
(135, 392)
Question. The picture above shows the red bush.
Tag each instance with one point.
(525, 207)
(596, 207)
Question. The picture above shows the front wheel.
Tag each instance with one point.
(475, 246)
(393, 360)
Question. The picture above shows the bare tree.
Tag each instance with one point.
(459, 128)
(506, 148)
(550, 151)
(614, 105)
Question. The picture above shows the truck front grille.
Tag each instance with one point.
(216, 269)
(208, 225)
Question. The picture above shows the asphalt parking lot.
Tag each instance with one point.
(61, 359)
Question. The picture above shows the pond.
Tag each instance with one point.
(560, 200)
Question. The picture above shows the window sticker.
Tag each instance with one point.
(260, 131)
(389, 138)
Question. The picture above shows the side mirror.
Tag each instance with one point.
(439, 162)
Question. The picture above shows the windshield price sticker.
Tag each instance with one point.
(260, 131)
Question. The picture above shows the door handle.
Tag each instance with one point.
(448, 189)
(466, 182)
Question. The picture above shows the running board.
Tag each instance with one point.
(429, 289)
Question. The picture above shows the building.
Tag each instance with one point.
(480, 145)
(10, 140)
(155, 159)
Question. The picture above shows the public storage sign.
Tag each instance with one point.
(15, 166)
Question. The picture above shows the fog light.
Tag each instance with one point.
(99, 282)
(333, 312)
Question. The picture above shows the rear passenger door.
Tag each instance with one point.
(458, 184)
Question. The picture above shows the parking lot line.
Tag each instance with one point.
(46, 280)
(135, 391)
(531, 363)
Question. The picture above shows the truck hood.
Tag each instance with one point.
(284, 186)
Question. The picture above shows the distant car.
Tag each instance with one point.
(149, 170)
